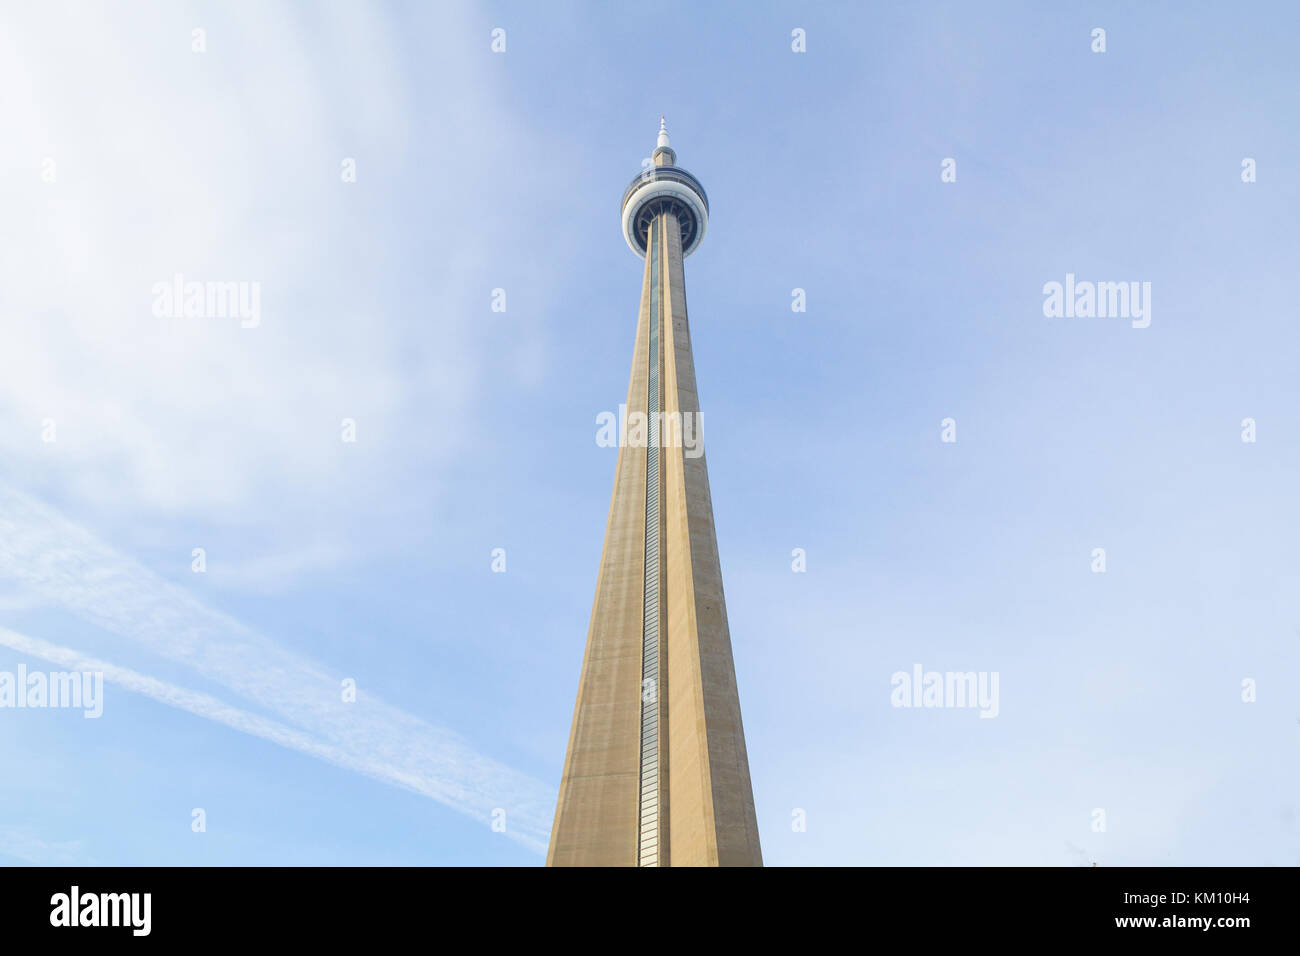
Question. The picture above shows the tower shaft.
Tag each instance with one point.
(656, 772)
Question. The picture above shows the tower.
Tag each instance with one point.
(656, 772)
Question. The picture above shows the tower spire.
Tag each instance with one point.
(663, 133)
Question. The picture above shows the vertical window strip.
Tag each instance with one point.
(648, 799)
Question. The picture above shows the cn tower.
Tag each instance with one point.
(656, 772)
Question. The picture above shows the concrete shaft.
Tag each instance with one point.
(697, 806)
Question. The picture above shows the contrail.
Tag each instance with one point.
(63, 564)
(210, 707)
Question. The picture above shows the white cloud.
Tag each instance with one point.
(224, 166)
(221, 166)
(62, 564)
(24, 846)
(24, 843)
(270, 573)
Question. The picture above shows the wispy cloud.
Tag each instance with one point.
(236, 431)
(270, 573)
(63, 564)
(24, 843)
(24, 846)
(112, 405)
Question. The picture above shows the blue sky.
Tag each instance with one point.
(371, 560)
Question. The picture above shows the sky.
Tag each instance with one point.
(378, 170)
